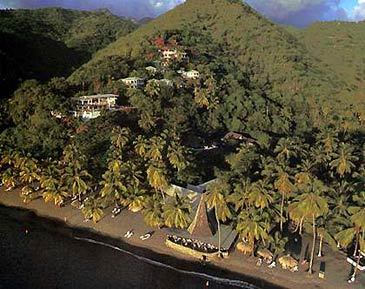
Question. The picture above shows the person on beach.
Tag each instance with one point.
(204, 260)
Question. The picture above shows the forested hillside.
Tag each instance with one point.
(253, 42)
(267, 60)
(52, 42)
(339, 49)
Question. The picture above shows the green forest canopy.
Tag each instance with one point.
(50, 42)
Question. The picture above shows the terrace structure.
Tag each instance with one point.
(90, 106)
(201, 237)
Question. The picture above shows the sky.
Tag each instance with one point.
(299, 13)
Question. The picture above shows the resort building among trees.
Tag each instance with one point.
(169, 54)
(90, 106)
(133, 82)
(192, 74)
(201, 238)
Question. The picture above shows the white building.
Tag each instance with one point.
(90, 106)
(133, 82)
(169, 54)
(151, 69)
(192, 74)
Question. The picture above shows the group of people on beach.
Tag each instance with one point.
(193, 244)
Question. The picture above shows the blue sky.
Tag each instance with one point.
(295, 12)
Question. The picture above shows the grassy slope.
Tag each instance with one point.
(52, 41)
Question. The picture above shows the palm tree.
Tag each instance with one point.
(9, 165)
(324, 234)
(29, 173)
(277, 244)
(344, 159)
(157, 177)
(253, 227)
(176, 155)
(328, 138)
(9, 178)
(260, 196)
(239, 197)
(74, 178)
(119, 138)
(286, 148)
(141, 146)
(153, 211)
(113, 185)
(74, 182)
(51, 188)
(311, 205)
(147, 121)
(155, 148)
(92, 210)
(285, 187)
(177, 213)
(201, 97)
(339, 198)
(134, 199)
(215, 198)
(356, 227)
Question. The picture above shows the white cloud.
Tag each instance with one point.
(300, 12)
(359, 10)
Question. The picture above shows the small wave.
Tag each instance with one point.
(225, 281)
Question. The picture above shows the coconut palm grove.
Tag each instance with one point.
(264, 110)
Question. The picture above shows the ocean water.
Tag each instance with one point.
(51, 256)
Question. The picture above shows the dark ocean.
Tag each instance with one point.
(52, 256)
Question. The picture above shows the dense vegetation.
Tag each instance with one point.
(50, 42)
(306, 169)
(338, 49)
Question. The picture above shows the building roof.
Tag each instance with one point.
(132, 78)
(241, 136)
(204, 225)
(200, 225)
(151, 68)
(96, 96)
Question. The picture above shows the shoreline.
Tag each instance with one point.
(70, 219)
(169, 261)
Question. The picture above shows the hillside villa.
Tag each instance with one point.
(90, 106)
(169, 54)
(133, 82)
(191, 74)
(151, 69)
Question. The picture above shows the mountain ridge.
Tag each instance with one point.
(253, 40)
(56, 42)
